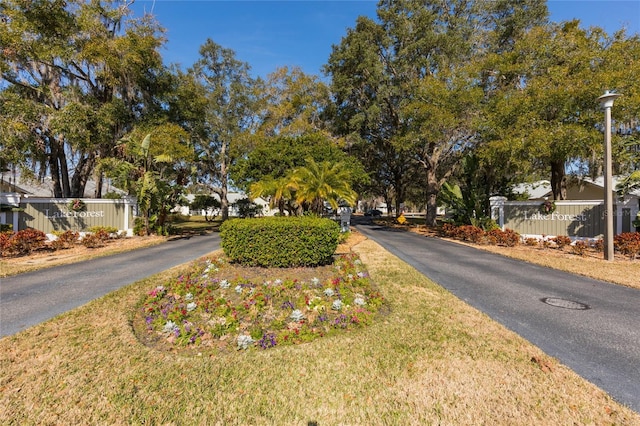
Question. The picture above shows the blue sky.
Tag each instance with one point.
(269, 34)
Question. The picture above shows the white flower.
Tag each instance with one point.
(277, 282)
(188, 296)
(329, 292)
(170, 327)
(224, 284)
(362, 274)
(297, 315)
(244, 341)
(238, 289)
(337, 305)
(315, 281)
(350, 276)
(359, 301)
(191, 306)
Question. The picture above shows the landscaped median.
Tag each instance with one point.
(431, 359)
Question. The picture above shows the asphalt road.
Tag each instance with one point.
(590, 326)
(31, 298)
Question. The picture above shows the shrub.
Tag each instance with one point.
(110, 230)
(627, 243)
(280, 241)
(531, 242)
(448, 230)
(96, 239)
(23, 242)
(509, 238)
(562, 241)
(580, 248)
(470, 233)
(93, 240)
(5, 227)
(4, 240)
(65, 240)
(598, 245)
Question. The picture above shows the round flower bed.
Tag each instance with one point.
(227, 307)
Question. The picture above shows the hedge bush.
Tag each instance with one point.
(280, 241)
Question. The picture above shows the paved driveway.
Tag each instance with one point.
(591, 326)
(31, 298)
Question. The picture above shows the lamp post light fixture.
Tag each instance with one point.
(606, 101)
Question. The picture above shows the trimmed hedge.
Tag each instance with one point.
(280, 241)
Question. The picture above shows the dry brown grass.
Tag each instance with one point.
(432, 360)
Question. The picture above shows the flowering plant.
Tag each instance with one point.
(547, 207)
(210, 310)
(76, 205)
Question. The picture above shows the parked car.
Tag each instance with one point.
(373, 213)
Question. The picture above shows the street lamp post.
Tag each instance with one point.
(606, 101)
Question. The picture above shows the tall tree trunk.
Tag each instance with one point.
(81, 175)
(54, 170)
(558, 181)
(224, 182)
(432, 197)
(98, 191)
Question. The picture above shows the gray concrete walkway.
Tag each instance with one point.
(31, 298)
(590, 326)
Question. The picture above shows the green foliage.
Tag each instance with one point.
(4, 227)
(280, 241)
(112, 195)
(317, 183)
(206, 203)
(153, 168)
(628, 184)
(247, 208)
(76, 75)
(227, 95)
(275, 157)
(307, 189)
(109, 230)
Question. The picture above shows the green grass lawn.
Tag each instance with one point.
(195, 224)
(431, 360)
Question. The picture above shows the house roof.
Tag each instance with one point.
(536, 190)
(599, 182)
(542, 188)
(14, 182)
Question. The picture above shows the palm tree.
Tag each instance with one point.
(277, 191)
(316, 184)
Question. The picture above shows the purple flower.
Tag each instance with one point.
(287, 305)
(268, 341)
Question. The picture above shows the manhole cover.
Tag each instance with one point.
(564, 303)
